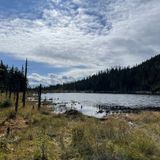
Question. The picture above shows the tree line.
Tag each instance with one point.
(13, 81)
(142, 77)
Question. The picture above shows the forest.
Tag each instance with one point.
(13, 81)
(143, 77)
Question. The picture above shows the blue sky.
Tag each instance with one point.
(33, 67)
(65, 40)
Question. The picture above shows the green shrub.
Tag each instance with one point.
(5, 104)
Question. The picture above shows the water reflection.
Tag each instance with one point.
(87, 103)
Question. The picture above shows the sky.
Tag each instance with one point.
(66, 40)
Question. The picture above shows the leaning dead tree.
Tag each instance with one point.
(17, 101)
(25, 84)
(39, 96)
(17, 90)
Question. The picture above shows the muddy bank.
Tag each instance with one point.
(124, 109)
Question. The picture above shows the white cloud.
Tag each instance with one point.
(64, 77)
(92, 34)
(49, 79)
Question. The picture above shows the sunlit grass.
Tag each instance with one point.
(37, 135)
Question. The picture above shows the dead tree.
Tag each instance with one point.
(25, 84)
(39, 96)
(17, 101)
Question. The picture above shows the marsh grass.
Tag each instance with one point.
(40, 135)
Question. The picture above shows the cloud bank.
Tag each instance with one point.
(84, 36)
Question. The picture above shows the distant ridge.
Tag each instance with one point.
(142, 78)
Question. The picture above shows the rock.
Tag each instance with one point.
(100, 111)
(73, 113)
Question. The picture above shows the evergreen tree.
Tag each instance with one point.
(143, 77)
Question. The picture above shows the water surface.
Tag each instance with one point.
(86, 103)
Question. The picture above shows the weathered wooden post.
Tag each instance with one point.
(39, 96)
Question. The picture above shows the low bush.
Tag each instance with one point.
(5, 104)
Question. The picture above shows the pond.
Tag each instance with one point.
(87, 103)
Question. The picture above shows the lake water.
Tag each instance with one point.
(86, 103)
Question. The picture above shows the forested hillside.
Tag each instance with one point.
(143, 77)
(12, 79)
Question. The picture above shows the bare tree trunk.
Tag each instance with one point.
(39, 96)
(10, 94)
(6, 93)
(17, 100)
(25, 87)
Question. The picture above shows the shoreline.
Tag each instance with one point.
(105, 92)
(97, 111)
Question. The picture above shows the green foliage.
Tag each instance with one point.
(11, 79)
(5, 104)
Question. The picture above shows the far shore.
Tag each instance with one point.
(103, 92)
